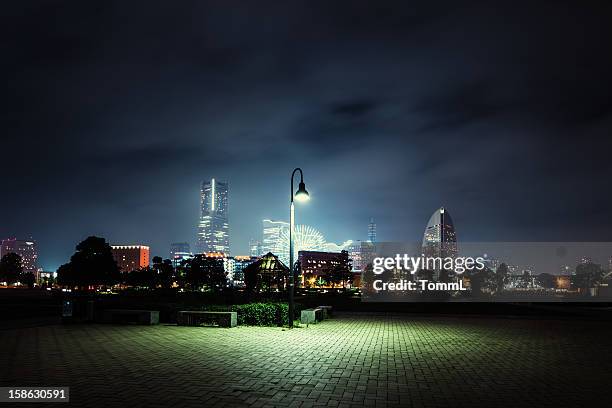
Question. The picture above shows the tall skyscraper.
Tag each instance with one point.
(213, 228)
(440, 238)
(372, 230)
(272, 234)
(25, 249)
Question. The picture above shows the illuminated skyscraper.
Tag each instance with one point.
(25, 249)
(271, 236)
(440, 238)
(213, 228)
(180, 251)
(372, 231)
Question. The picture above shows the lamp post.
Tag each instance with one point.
(300, 195)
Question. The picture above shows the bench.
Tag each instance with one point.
(131, 316)
(311, 315)
(316, 314)
(327, 311)
(197, 318)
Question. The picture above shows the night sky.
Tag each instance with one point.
(113, 113)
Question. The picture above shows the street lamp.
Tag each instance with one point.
(301, 195)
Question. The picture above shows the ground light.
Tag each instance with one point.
(301, 195)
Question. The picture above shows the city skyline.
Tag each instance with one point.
(265, 244)
(390, 111)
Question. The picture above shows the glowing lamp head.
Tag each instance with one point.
(301, 194)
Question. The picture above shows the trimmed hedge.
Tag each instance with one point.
(259, 314)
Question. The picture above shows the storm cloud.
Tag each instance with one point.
(113, 112)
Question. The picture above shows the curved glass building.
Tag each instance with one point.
(440, 237)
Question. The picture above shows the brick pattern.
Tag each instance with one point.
(351, 360)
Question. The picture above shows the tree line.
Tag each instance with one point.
(11, 270)
(93, 265)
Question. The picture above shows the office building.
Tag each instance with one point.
(26, 249)
(130, 257)
(316, 265)
(213, 228)
(361, 254)
(272, 234)
(180, 251)
(239, 265)
(440, 238)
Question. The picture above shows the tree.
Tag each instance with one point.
(28, 279)
(252, 277)
(424, 274)
(502, 277)
(340, 273)
(91, 265)
(141, 278)
(66, 275)
(367, 279)
(525, 280)
(206, 271)
(481, 281)
(587, 276)
(10, 268)
(164, 272)
(446, 275)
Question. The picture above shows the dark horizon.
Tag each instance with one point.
(114, 113)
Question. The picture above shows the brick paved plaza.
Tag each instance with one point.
(351, 360)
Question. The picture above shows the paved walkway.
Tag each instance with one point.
(351, 360)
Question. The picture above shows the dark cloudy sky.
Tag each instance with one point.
(113, 112)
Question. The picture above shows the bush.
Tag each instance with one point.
(258, 314)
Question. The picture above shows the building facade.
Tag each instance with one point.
(317, 266)
(130, 257)
(272, 234)
(240, 263)
(255, 248)
(440, 237)
(213, 228)
(372, 231)
(26, 249)
(180, 251)
(361, 253)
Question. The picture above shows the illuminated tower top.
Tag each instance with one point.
(213, 198)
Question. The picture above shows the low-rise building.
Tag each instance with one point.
(130, 257)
